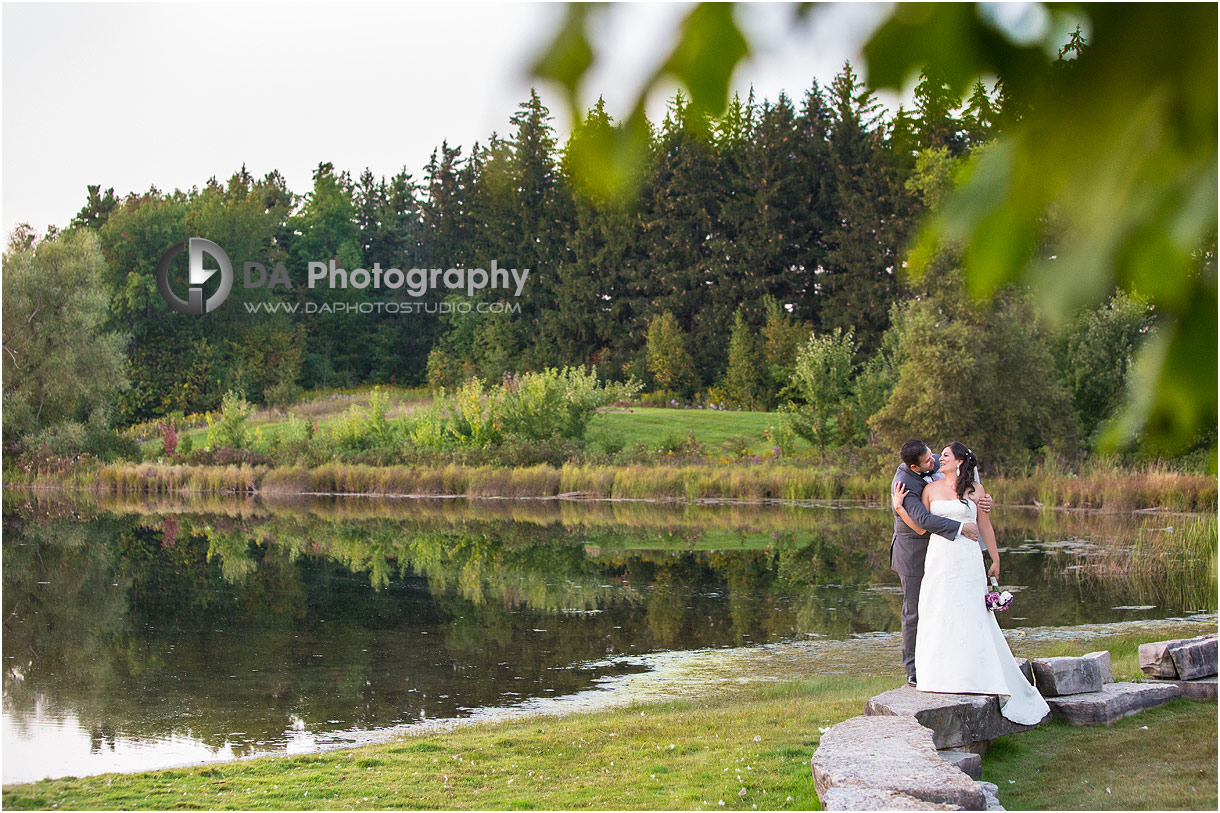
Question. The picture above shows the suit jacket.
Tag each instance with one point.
(908, 549)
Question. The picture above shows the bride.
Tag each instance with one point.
(959, 648)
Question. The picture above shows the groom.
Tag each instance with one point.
(908, 549)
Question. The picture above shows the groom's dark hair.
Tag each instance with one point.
(912, 450)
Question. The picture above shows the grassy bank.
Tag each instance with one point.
(746, 747)
(1160, 759)
(677, 755)
(1153, 487)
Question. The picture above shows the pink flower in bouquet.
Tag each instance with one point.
(997, 600)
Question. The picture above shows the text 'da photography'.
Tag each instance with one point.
(609, 406)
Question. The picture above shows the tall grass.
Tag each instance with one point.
(1162, 564)
(1109, 486)
(1156, 487)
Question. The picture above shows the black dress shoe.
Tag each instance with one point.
(911, 682)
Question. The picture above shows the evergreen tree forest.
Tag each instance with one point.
(760, 250)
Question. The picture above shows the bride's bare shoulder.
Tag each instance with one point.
(938, 491)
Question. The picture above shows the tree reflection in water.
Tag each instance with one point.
(234, 622)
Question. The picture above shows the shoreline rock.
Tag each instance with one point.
(956, 720)
(1056, 677)
(893, 754)
(1180, 658)
(1113, 702)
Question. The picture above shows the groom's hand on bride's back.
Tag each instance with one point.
(970, 531)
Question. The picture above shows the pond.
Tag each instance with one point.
(140, 635)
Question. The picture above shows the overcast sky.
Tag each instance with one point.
(135, 95)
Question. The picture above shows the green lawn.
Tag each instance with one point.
(748, 747)
(720, 431)
(1160, 759)
(747, 750)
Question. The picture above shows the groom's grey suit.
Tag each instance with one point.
(908, 550)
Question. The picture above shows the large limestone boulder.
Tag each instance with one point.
(1155, 660)
(956, 720)
(1196, 655)
(1056, 677)
(1102, 659)
(891, 754)
(1026, 669)
(1113, 702)
(1195, 658)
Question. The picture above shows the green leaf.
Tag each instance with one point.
(708, 50)
(950, 36)
(570, 55)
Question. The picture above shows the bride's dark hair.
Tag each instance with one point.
(965, 470)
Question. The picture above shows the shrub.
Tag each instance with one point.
(169, 435)
(668, 360)
(823, 376)
(554, 403)
(527, 408)
(282, 395)
(230, 429)
(225, 456)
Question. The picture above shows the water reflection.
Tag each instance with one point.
(154, 634)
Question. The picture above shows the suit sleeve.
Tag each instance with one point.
(930, 522)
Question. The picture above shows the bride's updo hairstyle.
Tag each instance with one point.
(965, 469)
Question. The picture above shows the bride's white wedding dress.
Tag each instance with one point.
(959, 648)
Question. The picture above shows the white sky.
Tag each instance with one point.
(134, 95)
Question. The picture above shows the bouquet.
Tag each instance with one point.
(996, 600)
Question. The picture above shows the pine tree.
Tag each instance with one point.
(979, 118)
(781, 337)
(97, 208)
(935, 104)
(680, 222)
(856, 282)
(903, 139)
(816, 179)
(764, 215)
(668, 360)
(742, 379)
(326, 228)
(586, 320)
(544, 213)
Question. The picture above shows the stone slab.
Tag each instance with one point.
(1103, 663)
(1195, 658)
(872, 799)
(1056, 677)
(967, 762)
(890, 753)
(1156, 659)
(1026, 669)
(992, 793)
(956, 720)
(1113, 702)
(1197, 689)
